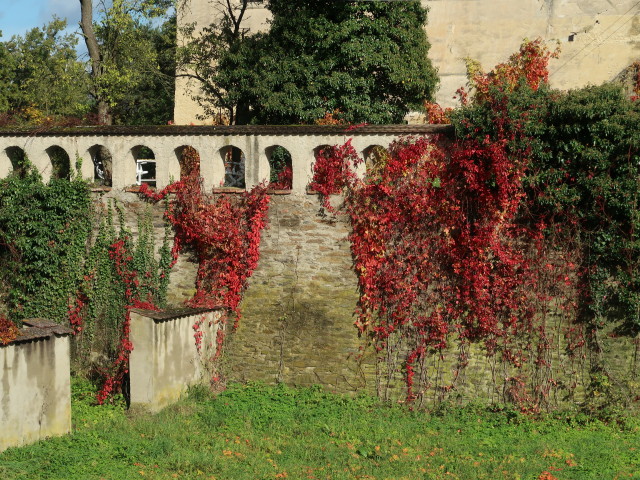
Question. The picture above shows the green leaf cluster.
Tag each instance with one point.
(105, 289)
(43, 235)
(55, 248)
(366, 60)
(41, 71)
(149, 99)
(136, 66)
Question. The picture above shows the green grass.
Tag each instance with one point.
(259, 432)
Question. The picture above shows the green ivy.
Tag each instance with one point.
(43, 235)
(583, 180)
(56, 261)
(104, 290)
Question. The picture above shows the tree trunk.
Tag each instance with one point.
(86, 24)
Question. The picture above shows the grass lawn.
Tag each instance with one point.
(259, 432)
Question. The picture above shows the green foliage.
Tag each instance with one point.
(584, 147)
(366, 60)
(43, 235)
(40, 74)
(137, 67)
(122, 46)
(52, 266)
(150, 101)
(279, 160)
(256, 431)
(104, 292)
(589, 176)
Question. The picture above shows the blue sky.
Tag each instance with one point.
(19, 16)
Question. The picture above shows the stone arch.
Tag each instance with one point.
(180, 151)
(145, 165)
(319, 148)
(234, 162)
(16, 161)
(102, 165)
(317, 152)
(375, 158)
(280, 167)
(60, 162)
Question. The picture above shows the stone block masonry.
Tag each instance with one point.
(297, 321)
(297, 313)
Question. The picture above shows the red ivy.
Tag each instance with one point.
(8, 331)
(223, 231)
(438, 243)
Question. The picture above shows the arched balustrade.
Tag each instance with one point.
(111, 155)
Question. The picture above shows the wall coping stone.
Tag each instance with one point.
(39, 329)
(226, 130)
(171, 314)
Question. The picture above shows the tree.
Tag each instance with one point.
(363, 61)
(151, 101)
(8, 87)
(201, 54)
(122, 53)
(40, 72)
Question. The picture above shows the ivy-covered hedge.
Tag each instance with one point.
(64, 258)
(44, 230)
(582, 181)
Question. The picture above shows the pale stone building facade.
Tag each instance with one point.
(598, 39)
(202, 13)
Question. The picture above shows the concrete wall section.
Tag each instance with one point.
(165, 359)
(35, 391)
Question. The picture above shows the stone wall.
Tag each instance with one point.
(598, 39)
(297, 322)
(297, 313)
(35, 388)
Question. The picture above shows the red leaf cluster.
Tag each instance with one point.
(8, 331)
(223, 231)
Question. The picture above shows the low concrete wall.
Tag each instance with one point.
(165, 359)
(35, 386)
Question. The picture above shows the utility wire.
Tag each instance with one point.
(594, 40)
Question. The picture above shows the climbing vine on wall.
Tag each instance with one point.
(120, 272)
(483, 239)
(582, 182)
(43, 235)
(223, 232)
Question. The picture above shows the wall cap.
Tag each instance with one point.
(39, 329)
(222, 130)
(171, 314)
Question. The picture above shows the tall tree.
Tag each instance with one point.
(151, 101)
(8, 86)
(362, 61)
(40, 72)
(122, 53)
